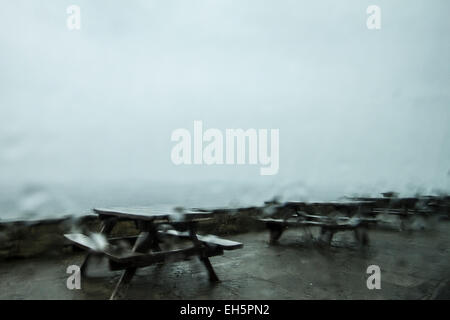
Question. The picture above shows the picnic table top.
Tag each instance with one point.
(332, 203)
(153, 213)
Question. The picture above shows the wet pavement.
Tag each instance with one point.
(414, 265)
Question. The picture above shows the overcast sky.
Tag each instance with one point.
(357, 109)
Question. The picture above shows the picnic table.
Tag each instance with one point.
(295, 214)
(146, 249)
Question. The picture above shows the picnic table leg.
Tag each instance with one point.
(107, 225)
(212, 274)
(326, 235)
(155, 241)
(204, 259)
(106, 228)
(83, 267)
(276, 231)
(122, 285)
(308, 233)
(361, 236)
(143, 243)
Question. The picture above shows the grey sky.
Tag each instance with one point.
(358, 110)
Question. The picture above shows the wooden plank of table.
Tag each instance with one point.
(330, 203)
(88, 243)
(152, 214)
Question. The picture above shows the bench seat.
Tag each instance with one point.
(208, 240)
(215, 246)
(111, 251)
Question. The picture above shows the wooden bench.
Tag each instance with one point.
(122, 258)
(126, 258)
(209, 240)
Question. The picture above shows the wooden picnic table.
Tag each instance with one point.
(345, 206)
(146, 248)
(350, 217)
